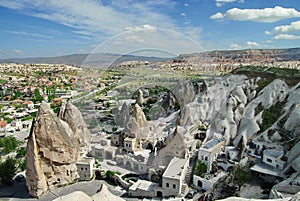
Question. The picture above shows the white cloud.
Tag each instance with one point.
(258, 15)
(286, 37)
(183, 14)
(134, 39)
(18, 51)
(268, 32)
(222, 2)
(235, 46)
(145, 27)
(95, 18)
(217, 16)
(35, 35)
(248, 44)
(186, 5)
(293, 27)
(12, 4)
(252, 44)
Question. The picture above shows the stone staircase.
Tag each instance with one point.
(192, 162)
(187, 180)
(184, 189)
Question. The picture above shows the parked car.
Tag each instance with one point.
(20, 178)
(191, 194)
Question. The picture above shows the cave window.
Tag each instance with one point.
(174, 186)
(167, 185)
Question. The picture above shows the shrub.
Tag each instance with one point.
(200, 168)
(8, 169)
(9, 144)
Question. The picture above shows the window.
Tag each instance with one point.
(85, 168)
(167, 185)
(174, 185)
(269, 160)
(206, 158)
(81, 168)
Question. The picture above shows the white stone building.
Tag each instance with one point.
(143, 188)
(104, 152)
(209, 151)
(85, 168)
(273, 158)
(173, 177)
(130, 144)
(207, 183)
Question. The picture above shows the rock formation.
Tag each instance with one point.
(173, 147)
(124, 115)
(53, 149)
(184, 92)
(134, 126)
(140, 97)
(103, 195)
(72, 116)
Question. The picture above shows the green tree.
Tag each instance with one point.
(9, 144)
(240, 175)
(8, 169)
(37, 96)
(21, 152)
(22, 164)
(200, 168)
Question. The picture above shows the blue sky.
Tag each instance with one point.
(55, 27)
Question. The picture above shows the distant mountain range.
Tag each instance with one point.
(244, 56)
(95, 59)
(224, 56)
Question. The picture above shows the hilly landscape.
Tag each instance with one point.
(263, 56)
(84, 59)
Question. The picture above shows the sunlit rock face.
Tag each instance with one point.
(54, 146)
(72, 116)
(233, 106)
(136, 122)
(123, 116)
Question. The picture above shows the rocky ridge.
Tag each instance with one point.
(54, 147)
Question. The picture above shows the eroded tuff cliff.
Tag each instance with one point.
(135, 124)
(54, 146)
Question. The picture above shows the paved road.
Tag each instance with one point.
(82, 97)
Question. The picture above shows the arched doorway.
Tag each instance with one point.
(200, 184)
(97, 174)
(159, 194)
(150, 146)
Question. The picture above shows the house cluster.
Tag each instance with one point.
(169, 161)
(272, 162)
(24, 86)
